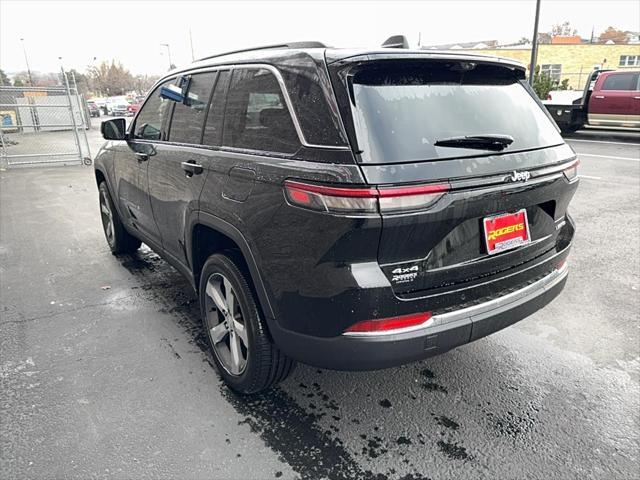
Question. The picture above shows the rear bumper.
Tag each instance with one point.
(441, 333)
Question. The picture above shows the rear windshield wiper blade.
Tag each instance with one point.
(482, 142)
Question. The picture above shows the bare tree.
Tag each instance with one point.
(611, 33)
(563, 29)
(82, 80)
(142, 83)
(110, 79)
(4, 80)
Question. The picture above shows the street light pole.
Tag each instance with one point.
(534, 45)
(193, 58)
(168, 53)
(26, 60)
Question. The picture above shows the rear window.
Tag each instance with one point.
(401, 111)
(256, 115)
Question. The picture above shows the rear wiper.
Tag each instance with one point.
(482, 142)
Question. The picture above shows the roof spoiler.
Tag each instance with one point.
(396, 41)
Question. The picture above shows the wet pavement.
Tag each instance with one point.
(104, 369)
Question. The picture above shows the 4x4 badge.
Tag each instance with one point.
(520, 176)
(407, 274)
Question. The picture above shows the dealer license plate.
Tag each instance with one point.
(505, 232)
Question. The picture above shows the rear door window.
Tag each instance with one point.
(620, 81)
(188, 117)
(256, 115)
(401, 110)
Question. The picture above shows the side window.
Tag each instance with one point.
(621, 81)
(149, 121)
(256, 115)
(188, 117)
(213, 127)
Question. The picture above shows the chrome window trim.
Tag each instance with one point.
(283, 89)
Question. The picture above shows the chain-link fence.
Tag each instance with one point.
(43, 126)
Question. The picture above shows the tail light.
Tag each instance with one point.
(362, 200)
(571, 172)
(389, 325)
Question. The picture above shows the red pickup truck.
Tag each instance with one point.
(610, 99)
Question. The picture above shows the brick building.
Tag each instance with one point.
(572, 61)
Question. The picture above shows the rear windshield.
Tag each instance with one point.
(400, 111)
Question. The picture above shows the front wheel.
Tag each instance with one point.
(570, 128)
(245, 356)
(119, 240)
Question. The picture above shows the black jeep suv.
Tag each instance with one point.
(350, 209)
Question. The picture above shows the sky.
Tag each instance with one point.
(132, 31)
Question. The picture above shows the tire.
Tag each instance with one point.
(261, 364)
(570, 128)
(120, 241)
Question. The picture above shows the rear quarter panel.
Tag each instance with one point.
(303, 257)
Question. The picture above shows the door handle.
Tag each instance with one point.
(599, 96)
(637, 98)
(191, 168)
(142, 157)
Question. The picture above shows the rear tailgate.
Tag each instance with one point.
(398, 109)
(446, 245)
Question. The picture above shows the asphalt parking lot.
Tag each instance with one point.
(104, 371)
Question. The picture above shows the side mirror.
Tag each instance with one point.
(115, 129)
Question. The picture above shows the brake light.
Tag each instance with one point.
(362, 199)
(331, 199)
(389, 325)
(571, 172)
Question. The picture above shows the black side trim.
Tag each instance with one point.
(236, 235)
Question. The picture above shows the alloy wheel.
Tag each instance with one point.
(226, 326)
(107, 218)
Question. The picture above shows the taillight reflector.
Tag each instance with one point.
(389, 324)
(571, 172)
(363, 199)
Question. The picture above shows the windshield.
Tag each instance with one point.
(400, 112)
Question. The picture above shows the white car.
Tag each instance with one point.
(117, 106)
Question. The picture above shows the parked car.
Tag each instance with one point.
(117, 106)
(609, 99)
(133, 108)
(350, 209)
(94, 110)
(101, 103)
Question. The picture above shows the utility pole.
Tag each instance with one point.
(168, 53)
(193, 57)
(534, 46)
(26, 60)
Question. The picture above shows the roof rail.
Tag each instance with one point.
(310, 44)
